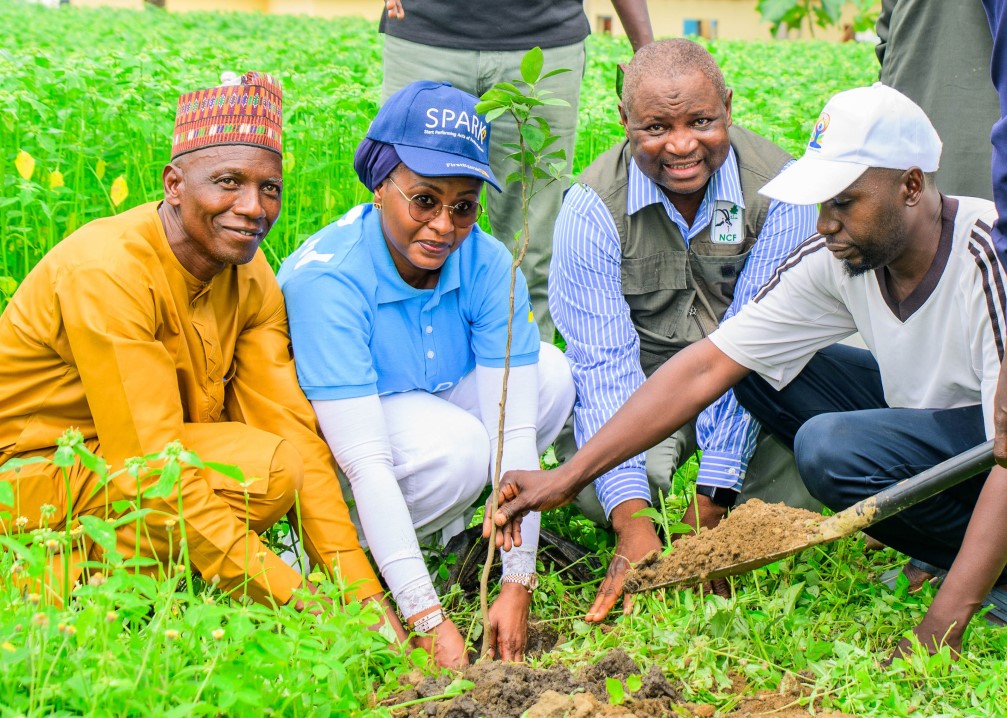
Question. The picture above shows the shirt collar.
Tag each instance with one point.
(724, 186)
(391, 286)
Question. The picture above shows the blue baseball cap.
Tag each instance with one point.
(436, 131)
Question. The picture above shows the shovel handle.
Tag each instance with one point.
(911, 491)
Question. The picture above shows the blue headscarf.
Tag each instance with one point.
(374, 161)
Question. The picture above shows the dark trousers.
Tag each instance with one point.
(849, 445)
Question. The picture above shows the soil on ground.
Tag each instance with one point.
(507, 690)
(752, 531)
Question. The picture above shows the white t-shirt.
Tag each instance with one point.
(940, 348)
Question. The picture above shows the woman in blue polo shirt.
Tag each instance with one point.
(398, 315)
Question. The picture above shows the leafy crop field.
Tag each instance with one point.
(88, 100)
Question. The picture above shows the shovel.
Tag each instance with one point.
(862, 514)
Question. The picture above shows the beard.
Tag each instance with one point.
(886, 244)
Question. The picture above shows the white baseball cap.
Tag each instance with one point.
(874, 126)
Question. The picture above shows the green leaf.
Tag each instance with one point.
(553, 73)
(494, 114)
(458, 686)
(92, 463)
(649, 513)
(6, 493)
(228, 470)
(101, 531)
(555, 102)
(533, 136)
(531, 65)
(14, 464)
(616, 691)
(165, 483)
(634, 683)
(64, 457)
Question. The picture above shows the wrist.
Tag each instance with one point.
(415, 618)
(624, 520)
(719, 496)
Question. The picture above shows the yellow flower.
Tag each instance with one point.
(25, 164)
(55, 179)
(111, 617)
(171, 634)
(8, 646)
(218, 634)
(40, 619)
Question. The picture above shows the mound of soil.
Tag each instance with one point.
(506, 690)
(753, 530)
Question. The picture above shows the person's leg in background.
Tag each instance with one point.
(504, 208)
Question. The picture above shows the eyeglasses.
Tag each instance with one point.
(424, 208)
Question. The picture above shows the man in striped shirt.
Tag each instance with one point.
(917, 274)
(665, 238)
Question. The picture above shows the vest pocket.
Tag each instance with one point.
(663, 271)
(717, 276)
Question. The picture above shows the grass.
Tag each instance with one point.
(88, 99)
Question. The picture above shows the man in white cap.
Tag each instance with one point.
(916, 273)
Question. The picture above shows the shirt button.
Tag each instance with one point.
(430, 355)
(430, 330)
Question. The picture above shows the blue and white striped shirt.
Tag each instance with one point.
(586, 301)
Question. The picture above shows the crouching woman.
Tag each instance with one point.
(398, 316)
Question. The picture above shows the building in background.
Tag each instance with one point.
(712, 19)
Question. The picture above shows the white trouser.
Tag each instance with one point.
(441, 450)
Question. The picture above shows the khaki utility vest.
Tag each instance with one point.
(678, 293)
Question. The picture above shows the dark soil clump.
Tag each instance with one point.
(753, 530)
(507, 690)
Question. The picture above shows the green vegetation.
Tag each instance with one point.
(88, 100)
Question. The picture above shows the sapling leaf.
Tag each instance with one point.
(495, 113)
(553, 73)
(555, 102)
(534, 136)
(634, 682)
(508, 87)
(531, 65)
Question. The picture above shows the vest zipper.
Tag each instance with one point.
(695, 315)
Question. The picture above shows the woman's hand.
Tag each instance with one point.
(445, 643)
(507, 632)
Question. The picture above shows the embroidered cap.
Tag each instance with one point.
(242, 111)
(436, 131)
(866, 127)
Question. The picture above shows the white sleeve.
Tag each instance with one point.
(358, 437)
(519, 445)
